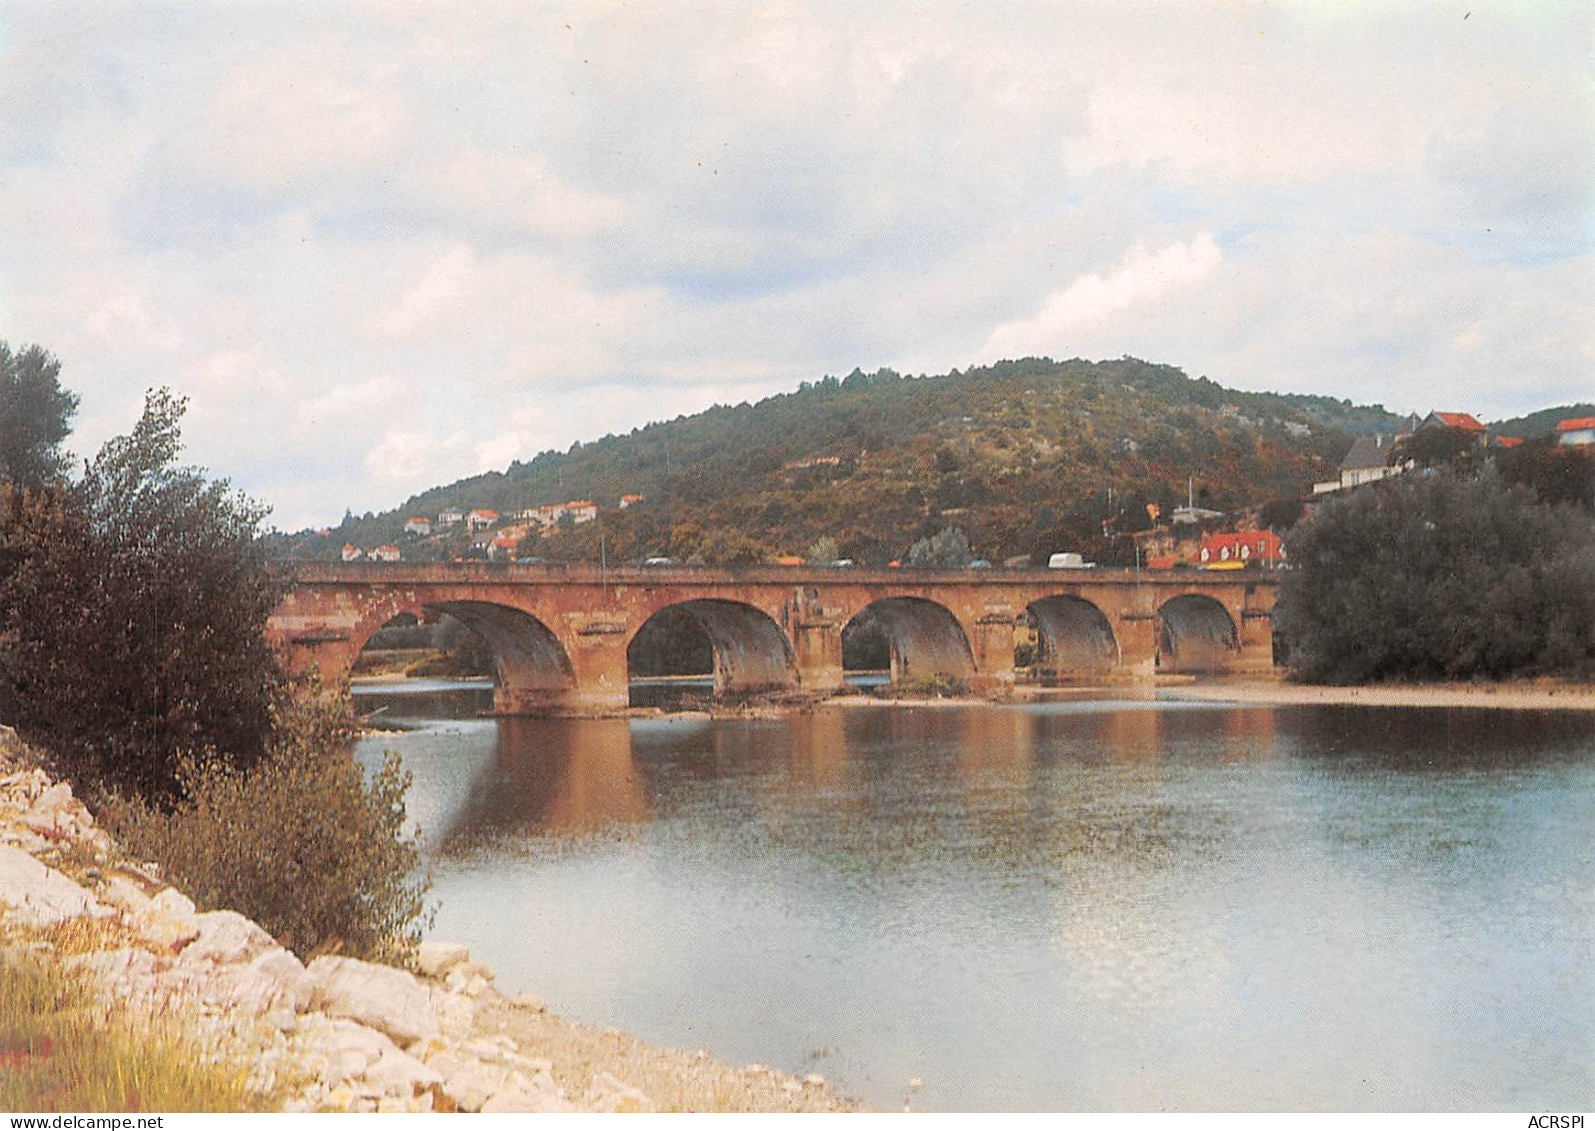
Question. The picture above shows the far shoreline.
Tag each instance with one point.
(1261, 691)
(1516, 695)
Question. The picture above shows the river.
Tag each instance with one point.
(1086, 904)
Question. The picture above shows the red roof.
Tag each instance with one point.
(1460, 420)
(1257, 543)
(1508, 441)
(1576, 424)
(581, 503)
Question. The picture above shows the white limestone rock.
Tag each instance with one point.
(611, 1094)
(284, 969)
(173, 902)
(227, 937)
(386, 999)
(41, 896)
(435, 957)
(400, 1074)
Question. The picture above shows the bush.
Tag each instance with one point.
(299, 842)
(1437, 577)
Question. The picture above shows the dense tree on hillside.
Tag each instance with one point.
(1439, 577)
(1555, 474)
(947, 550)
(1435, 447)
(35, 416)
(132, 610)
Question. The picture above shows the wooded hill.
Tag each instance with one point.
(1021, 455)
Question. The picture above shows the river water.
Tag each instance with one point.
(1075, 905)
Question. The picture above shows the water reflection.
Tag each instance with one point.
(1080, 904)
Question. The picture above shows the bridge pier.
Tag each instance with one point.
(817, 647)
(598, 660)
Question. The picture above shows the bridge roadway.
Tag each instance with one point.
(560, 634)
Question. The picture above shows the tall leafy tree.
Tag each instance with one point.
(132, 612)
(35, 416)
(1439, 577)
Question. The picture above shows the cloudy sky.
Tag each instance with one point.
(382, 245)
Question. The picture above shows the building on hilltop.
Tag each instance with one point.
(1576, 432)
(420, 526)
(1261, 548)
(1461, 420)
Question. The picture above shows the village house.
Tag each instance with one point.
(1577, 432)
(504, 546)
(1460, 420)
(385, 554)
(1367, 462)
(352, 553)
(548, 515)
(450, 517)
(1239, 550)
(419, 526)
(481, 519)
(629, 501)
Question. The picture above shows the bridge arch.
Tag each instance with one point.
(1196, 634)
(532, 670)
(751, 652)
(1073, 637)
(926, 639)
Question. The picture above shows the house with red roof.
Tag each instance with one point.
(1576, 432)
(352, 553)
(481, 519)
(1258, 548)
(385, 554)
(1462, 420)
(1506, 441)
(419, 525)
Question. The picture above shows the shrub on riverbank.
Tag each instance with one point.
(1439, 577)
(300, 842)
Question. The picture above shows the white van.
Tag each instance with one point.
(1069, 561)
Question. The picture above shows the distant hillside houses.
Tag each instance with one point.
(1576, 432)
(1370, 458)
(549, 515)
(420, 525)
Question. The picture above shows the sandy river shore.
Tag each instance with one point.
(1515, 696)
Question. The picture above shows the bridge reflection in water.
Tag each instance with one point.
(562, 637)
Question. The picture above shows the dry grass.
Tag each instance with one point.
(62, 1050)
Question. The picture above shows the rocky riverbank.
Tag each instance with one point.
(335, 1033)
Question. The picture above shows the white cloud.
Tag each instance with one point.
(382, 246)
(1142, 283)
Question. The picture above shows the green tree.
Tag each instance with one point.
(947, 550)
(132, 612)
(1439, 577)
(822, 551)
(35, 416)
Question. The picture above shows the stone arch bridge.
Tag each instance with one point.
(560, 634)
